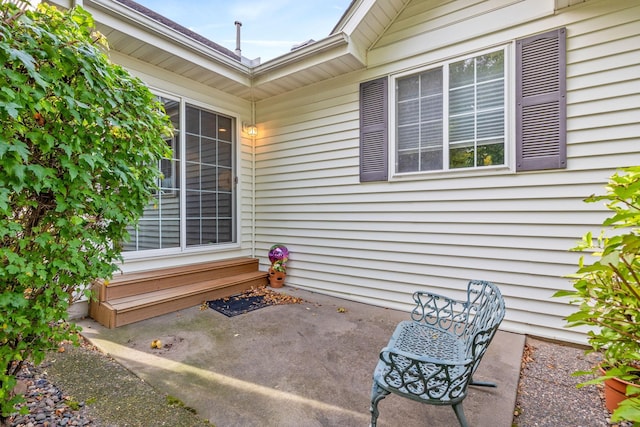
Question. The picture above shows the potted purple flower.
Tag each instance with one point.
(278, 256)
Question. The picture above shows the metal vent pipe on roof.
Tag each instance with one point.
(238, 24)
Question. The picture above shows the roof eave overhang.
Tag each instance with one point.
(110, 12)
(136, 25)
(327, 58)
(328, 44)
(321, 60)
(118, 11)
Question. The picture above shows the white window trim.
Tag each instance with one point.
(183, 249)
(509, 117)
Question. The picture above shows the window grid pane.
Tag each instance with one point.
(474, 121)
(159, 226)
(205, 160)
(419, 117)
(208, 189)
(476, 111)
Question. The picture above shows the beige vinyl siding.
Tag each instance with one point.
(449, 27)
(379, 242)
(162, 80)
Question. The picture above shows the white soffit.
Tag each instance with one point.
(134, 34)
(560, 4)
(139, 36)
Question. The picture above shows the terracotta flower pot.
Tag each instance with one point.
(614, 391)
(276, 278)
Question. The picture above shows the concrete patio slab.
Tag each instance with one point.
(306, 364)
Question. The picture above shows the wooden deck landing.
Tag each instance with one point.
(132, 297)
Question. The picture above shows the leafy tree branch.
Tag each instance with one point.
(79, 141)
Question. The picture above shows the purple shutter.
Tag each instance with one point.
(541, 106)
(373, 130)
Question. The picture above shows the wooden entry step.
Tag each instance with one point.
(132, 297)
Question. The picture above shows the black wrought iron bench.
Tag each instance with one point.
(433, 357)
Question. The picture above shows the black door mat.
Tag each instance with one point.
(238, 304)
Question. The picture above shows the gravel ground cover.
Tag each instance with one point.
(83, 387)
(547, 393)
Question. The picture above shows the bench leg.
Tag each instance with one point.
(457, 408)
(483, 383)
(377, 394)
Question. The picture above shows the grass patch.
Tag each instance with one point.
(174, 401)
(73, 404)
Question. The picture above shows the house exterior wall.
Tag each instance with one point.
(378, 242)
(164, 82)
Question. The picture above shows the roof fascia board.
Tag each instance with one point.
(284, 70)
(121, 13)
(303, 56)
(120, 17)
(353, 16)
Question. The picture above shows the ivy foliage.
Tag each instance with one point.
(80, 139)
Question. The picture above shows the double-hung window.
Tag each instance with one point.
(464, 114)
(452, 116)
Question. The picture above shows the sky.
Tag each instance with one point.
(270, 28)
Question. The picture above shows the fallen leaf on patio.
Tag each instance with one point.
(342, 310)
(156, 344)
(527, 354)
(270, 297)
(203, 306)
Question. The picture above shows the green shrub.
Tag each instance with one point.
(607, 291)
(80, 139)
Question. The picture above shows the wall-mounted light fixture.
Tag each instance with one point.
(250, 130)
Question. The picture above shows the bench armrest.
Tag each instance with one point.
(387, 351)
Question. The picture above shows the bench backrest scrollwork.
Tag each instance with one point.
(475, 320)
